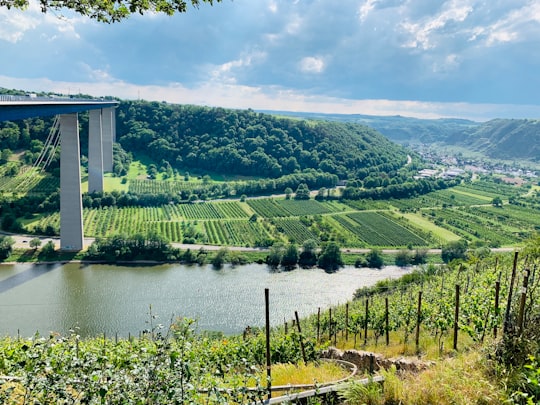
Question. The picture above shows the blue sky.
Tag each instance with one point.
(458, 58)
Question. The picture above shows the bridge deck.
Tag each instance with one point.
(13, 108)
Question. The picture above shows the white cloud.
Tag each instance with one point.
(15, 24)
(365, 9)
(449, 63)
(312, 64)
(422, 33)
(226, 71)
(294, 25)
(97, 75)
(515, 26)
(272, 6)
(274, 98)
(18, 23)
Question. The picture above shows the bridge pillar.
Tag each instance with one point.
(95, 152)
(71, 222)
(108, 122)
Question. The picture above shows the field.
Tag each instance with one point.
(431, 220)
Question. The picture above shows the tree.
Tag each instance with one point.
(302, 192)
(403, 258)
(35, 243)
(288, 192)
(219, 259)
(308, 256)
(419, 257)
(290, 256)
(454, 250)
(374, 259)
(275, 255)
(330, 257)
(497, 202)
(6, 246)
(111, 11)
(48, 249)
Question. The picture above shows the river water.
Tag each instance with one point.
(99, 299)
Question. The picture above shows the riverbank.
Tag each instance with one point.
(239, 257)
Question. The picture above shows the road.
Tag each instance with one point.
(23, 241)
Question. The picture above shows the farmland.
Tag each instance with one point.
(425, 221)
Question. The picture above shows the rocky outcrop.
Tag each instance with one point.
(372, 362)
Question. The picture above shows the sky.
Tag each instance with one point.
(470, 59)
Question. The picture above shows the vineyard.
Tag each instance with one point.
(465, 211)
(439, 308)
(28, 181)
(432, 313)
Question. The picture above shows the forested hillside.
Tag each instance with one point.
(396, 127)
(502, 139)
(245, 142)
(497, 139)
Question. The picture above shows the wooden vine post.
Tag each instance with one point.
(523, 301)
(510, 290)
(347, 322)
(418, 321)
(366, 322)
(497, 310)
(330, 324)
(268, 358)
(386, 322)
(319, 325)
(300, 337)
(456, 318)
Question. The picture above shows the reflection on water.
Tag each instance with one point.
(117, 299)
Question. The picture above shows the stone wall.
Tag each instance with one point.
(371, 362)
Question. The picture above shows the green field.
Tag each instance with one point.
(429, 220)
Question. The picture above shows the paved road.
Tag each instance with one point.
(22, 241)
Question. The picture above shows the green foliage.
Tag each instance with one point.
(112, 12)
(136, 247)
(330, 257)
(6, 247)
(456, 250)
(35, 243)
(308, 255)
(249, 143)
(374, 259)
(48, 251)
(302, 192)
(502, 139)
(403, 258)
(363, 394)
(275, 255)
(220, 257)
(497, 202)
(290, 256)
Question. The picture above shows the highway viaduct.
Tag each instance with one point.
(101, 134)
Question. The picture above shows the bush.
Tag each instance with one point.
(6, 247)
(403, 258)
(456, 250)
(374, 259)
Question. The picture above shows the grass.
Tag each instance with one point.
(428, 346)
(460, 380)
(32, 256)
(441, 233)
(311, 373)
(114, 183)
(475, 195)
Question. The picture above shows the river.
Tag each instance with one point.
(97, 299)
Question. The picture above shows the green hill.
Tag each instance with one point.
(244, 142)
(396, 127)
(502, 139)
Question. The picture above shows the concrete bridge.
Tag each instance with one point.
(102, 125)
